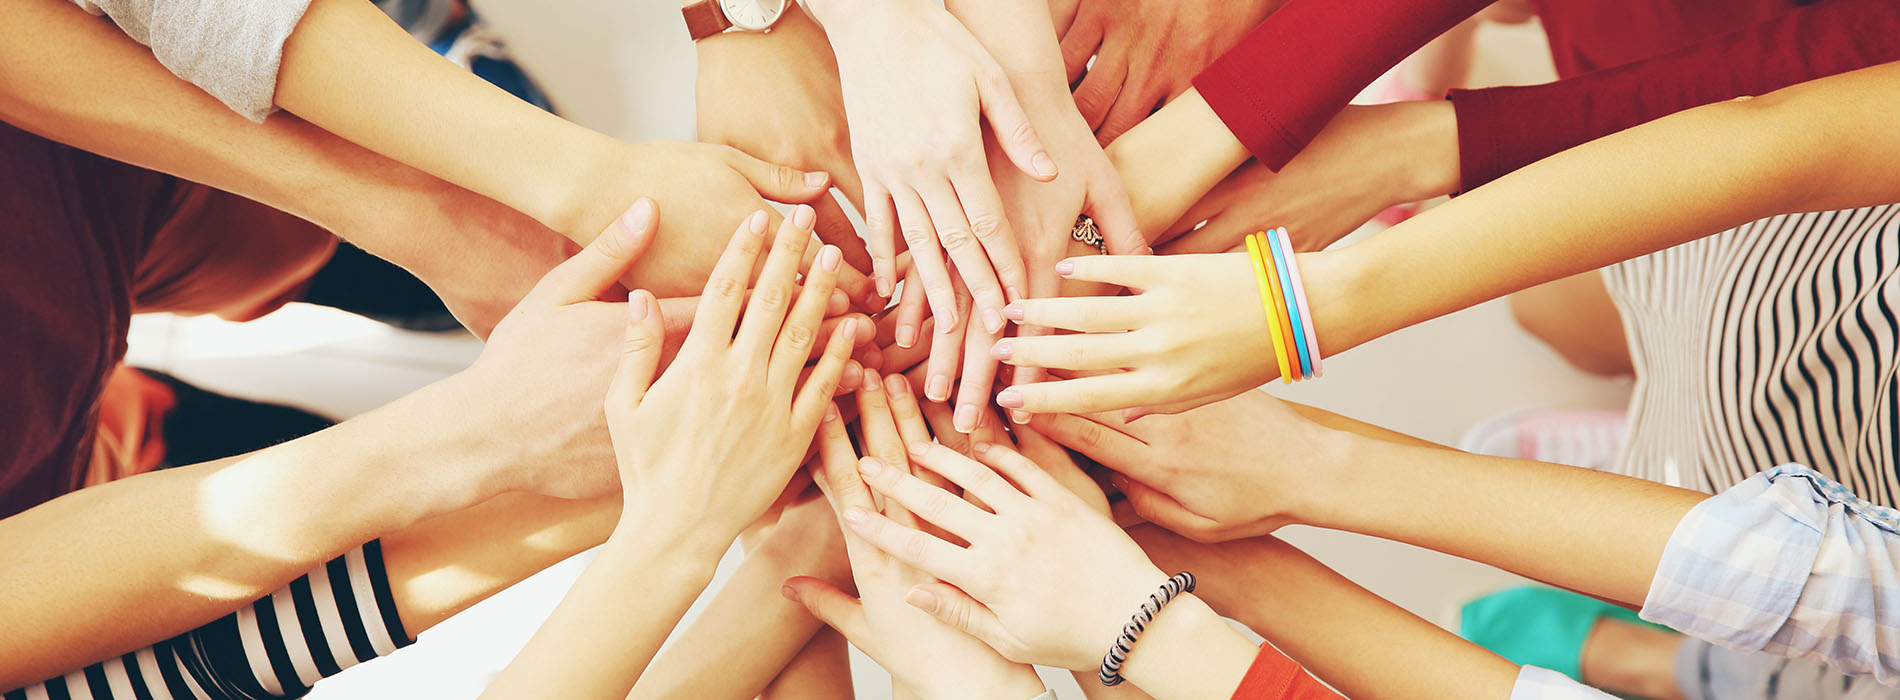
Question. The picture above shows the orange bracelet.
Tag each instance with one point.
(1255, 242)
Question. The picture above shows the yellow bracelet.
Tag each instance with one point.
(1255, 242)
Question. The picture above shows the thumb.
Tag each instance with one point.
(639, 351)
(603, 262)
(831, 606)
(1012, 127)
(952, 607)
(780, 183)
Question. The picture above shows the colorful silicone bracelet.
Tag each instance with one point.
(1299, 295)
(1281, 253)
(1266, 303)
(1294, 373)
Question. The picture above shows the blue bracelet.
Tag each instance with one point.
(1292, 304)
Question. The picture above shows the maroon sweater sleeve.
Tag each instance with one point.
(1503, 129)
(1282, 83)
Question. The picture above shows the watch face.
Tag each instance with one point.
(755, 15)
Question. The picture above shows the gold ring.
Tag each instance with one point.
(1086, 233)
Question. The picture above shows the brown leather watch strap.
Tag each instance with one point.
(704, 19)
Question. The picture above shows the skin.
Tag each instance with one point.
(1814, 146)
(716, 470)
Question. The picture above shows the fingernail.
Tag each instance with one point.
(789, 592)
(1010, 398)
(637, 308)
(1001, 350)
(1019, 417)
(638, 217)
(803, 216)
(918, 448)
(906, 336)
(992, 321)
(1045, 166)
(922, 600)
(816, 180)
(1146, 251)
(1013, 312)
(871, 466)
(831, 413)
(756, 223)
(1118, 481)
(1012, 294)
(848, 380)
(828, 258)
(855, 516)
(883, 282)
(938, 388)
(871, 381)
(966, 418)
(980, 448)
(1065, 268)
(898, 386)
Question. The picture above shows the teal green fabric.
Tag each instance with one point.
(1538, 626)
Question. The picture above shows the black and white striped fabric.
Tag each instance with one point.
(1773, 342)
(328, 620)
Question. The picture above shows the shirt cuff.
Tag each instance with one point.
(1737, 563)
(1046, 695)
(1535, 683)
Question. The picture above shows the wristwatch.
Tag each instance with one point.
(705, 18)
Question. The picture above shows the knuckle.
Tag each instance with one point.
(800, 335)
(957, 239)
(769, 297)
(913, 547)
(725, 288)
(917, 237)
(637, 343)
(987, 224)
(1022, 133)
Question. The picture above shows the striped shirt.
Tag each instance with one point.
(328, 620)
(1769, 343)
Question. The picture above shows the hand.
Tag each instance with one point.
(709, 446)
(1146, 51)
(697, 185)
(546, 365)
(1045, 579)
(1368, 158)
(925, 656)
(916, 134)
(1238, 468)
(1196, 333)
(790, 74)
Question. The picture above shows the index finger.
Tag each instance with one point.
(718, 310)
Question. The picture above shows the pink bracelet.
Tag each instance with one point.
(1299, 296)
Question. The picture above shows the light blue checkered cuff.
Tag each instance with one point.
(1535, 683)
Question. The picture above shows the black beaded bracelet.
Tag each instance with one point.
(1111, 673)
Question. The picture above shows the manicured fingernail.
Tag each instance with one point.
(1019, 417)
(1001, 350)
(1045, 166)
(882, 271)
(1013, 312)
(637, 307)
(906, 336)
(789, 592)
(966, 418)
(756, 223)
(871, 466)
(980, 448)
(992, 321)
(831, 413)
(816, 180)
(898, 386)
(855, 516)
(938, 388)
(922, 600)
(638, 217)
(803, 216)
(871, 381)
(1065, 268)
(828, 258)
(1010, 398)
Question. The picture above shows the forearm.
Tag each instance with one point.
(352, 71)
(73, 78)
(1274, 589)
(611, 623)
(1188, 653)
(1507, 513)
(168, 551)
(1817, 146)
(820, 671)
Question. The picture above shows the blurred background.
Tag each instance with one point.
(626, 69)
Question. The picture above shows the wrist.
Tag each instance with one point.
(1189, 651)
(1339, 293)
(660, 527)
(1002, 679)
(1427, 134)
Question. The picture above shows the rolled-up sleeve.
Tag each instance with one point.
(1535, 683)
(1791, 563)
(231, 49)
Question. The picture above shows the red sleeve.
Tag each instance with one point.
(1296, 70)
(1273, 676)
(1503, 129)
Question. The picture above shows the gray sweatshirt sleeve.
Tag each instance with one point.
(230, 48)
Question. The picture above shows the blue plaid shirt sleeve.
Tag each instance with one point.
(1535, 683)
(1790, 563)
